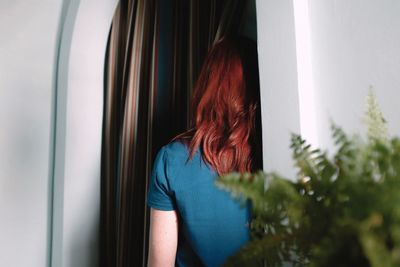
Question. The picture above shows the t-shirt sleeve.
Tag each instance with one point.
(160, 195)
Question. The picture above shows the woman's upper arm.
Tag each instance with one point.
(163, 240)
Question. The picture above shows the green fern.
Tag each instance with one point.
(341, 211)
(376, 123)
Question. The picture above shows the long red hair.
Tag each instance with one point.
(225, 107)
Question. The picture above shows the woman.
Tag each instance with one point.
(193, 223)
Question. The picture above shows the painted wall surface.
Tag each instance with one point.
(51, 84)
(352, 45)
(356, 44)
(27, 55)
(79, 132)
(81, 80)
(278, 82)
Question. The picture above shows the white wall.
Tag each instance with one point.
(355, 44)
(317, 61)
(51, 84)
(79, 130)
(278, 82)
(27, 54)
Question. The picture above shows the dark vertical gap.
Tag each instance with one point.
(163, 119)
(182, 53)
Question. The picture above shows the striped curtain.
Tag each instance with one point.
(155, 51)
(130, 86)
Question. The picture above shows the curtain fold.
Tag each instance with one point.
(139, 115)
(127, 133)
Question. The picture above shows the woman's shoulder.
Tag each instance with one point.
(173, 148)
(176, 151)
(176, 146)
(172, 158)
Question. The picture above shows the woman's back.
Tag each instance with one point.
(192, 222)
(212, 225)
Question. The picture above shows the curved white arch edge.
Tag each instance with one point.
(79, 109)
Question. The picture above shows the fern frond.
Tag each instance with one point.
(373, 118)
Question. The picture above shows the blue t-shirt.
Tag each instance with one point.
(212, 225)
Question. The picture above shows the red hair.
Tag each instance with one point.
(224, 111)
